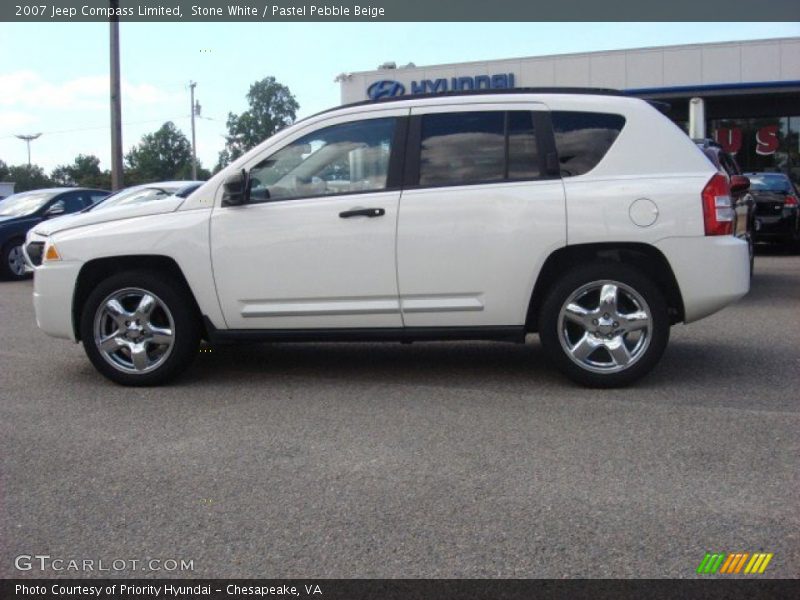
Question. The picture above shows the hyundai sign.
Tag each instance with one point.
(388, 88)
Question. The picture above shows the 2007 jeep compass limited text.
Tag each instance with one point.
(473, 216)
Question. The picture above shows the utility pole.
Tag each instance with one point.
(195, 110)
(116, 103)
(28, 139)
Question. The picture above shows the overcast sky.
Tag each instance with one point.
(54, 76)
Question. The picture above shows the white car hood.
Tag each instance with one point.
(103, 215)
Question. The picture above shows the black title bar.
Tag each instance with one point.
(713, 588)
(264, 11)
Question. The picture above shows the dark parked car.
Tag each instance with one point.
(20, 212)
(146, 192)
(744, 203)
(777, 211)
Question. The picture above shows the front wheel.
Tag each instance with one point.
(604, 324)
(138, 330)
(13, 261)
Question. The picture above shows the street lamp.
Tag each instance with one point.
(28, 139)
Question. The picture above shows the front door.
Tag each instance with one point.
(315, 247)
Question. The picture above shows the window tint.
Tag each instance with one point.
(340, 159)
(523, 158)
(95, 197)
(583, 138)
(461, 148)
(72, 202)
(472, 147)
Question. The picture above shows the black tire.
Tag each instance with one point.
(5, 259)
(180, 305)
(598, 272)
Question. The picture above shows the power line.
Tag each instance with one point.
(100, 127)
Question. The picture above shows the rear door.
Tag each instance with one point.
(479, 214)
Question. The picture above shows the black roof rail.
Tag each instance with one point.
(502, 91)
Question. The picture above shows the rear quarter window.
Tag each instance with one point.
(583, 139)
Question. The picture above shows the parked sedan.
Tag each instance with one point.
(20, 212)
(777, 211)
(146, 192)
(744, 204)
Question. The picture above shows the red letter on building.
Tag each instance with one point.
(767, 138)
(729, 138)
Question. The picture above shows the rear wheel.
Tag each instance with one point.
(604, 324)
(138, 330)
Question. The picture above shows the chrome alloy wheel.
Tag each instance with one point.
(605, 326)
(134, 330)
(16, 261)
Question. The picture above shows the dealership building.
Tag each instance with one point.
(750, 89)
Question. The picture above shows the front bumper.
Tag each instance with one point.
(53, 291)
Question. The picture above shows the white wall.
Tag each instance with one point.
(670, 66)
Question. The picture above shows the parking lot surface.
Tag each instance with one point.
(423, 460)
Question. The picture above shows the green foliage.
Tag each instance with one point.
(163, 155)
(84, 172)
(272, 107)
(27, 177)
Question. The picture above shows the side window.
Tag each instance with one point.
(583, 138)
(461, 148)
(523, 157)
(95, 197)
(340, 159)
(71, 203)
(477, 147)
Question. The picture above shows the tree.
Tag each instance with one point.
(272, 107)
(84, 171)
(28, 178)
(4, 176)
(163, 155)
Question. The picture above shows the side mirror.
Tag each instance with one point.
(236, 189)
(55, 210)
(739, 184)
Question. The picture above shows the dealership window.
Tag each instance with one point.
(761, 144)
(477, 147)
(340, 159)
(583, 138)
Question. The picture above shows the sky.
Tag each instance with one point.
(54, 76)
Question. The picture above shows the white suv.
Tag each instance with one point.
(587, 217)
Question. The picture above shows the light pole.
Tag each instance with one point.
(116, 102)
(195, 111)
(28, 139)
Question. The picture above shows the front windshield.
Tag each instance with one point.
(134, 196)
(26, 203)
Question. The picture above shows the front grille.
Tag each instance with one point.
(34, 251)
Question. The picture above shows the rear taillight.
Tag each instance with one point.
(717, 207)
(790, 201)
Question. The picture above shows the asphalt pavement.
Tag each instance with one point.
(424, 460)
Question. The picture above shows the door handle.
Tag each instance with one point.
(362, 212)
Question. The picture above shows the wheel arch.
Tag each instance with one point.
(645, 257)
(95, 271)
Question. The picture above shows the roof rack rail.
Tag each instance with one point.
(503, 91)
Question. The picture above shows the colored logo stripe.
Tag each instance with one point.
(759, 562)
(711, 563)
(733, 563)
